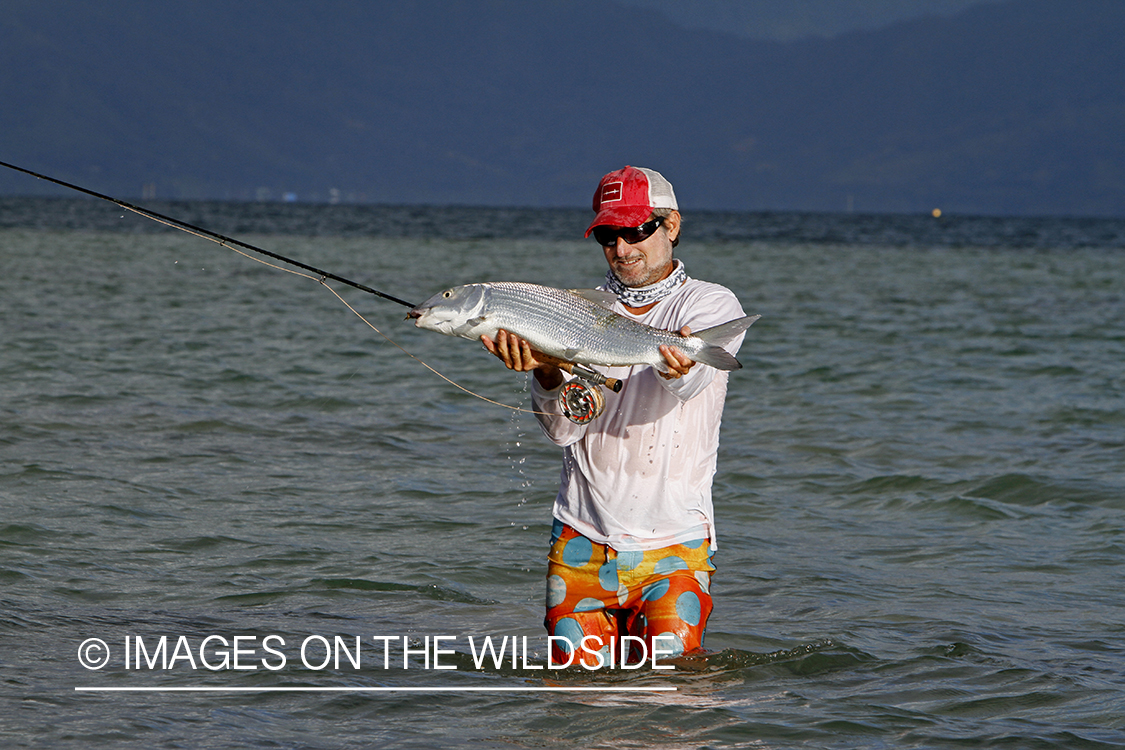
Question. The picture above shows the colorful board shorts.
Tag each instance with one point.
(594, 590)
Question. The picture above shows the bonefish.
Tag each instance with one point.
(570, 324)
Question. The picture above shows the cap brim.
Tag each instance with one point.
(620, 216)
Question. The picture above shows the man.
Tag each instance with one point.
(634, 523)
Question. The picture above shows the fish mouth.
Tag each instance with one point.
(415, 313)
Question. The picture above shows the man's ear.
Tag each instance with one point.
(672, 224)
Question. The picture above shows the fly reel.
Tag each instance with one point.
(581, 402)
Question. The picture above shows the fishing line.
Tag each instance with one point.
(232, 244)
(207, 234)
(395, 343)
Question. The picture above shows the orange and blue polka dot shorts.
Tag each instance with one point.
(595, 590)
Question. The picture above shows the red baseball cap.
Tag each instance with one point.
(625, 198)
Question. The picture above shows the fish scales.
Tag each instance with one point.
(557, 321)
(568, 324)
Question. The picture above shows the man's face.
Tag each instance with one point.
(647, 261)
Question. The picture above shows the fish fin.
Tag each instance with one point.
(716, 337)
(570, 354)
(718, 357)
(474, 322)
(723, 333)
(597, 296)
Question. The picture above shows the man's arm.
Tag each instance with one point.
(517, 354)
(688, 381)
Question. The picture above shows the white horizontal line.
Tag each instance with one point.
(539, 689)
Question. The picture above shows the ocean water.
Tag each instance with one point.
(920, 495)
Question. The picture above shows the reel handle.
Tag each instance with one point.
(597, 378)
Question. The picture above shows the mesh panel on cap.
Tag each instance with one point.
(659, 189)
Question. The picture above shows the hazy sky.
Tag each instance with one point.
(1013, 107)
(791, 19)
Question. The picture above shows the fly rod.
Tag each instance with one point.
(580, 402)
(208, 234)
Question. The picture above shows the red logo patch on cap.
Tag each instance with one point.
(611, 191)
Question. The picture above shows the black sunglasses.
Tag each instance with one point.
(607, 236)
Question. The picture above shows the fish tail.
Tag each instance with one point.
(718, 336)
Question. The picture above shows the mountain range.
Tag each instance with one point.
(1008, 108)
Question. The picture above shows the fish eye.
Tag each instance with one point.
(447, 293)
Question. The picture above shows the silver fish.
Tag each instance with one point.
(570, 324)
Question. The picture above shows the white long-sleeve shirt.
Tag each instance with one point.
(639, 476)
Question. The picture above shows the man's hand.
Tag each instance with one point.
(517, 354)
(678, 362)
